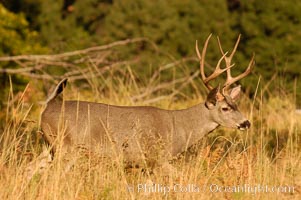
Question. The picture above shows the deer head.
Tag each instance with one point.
(221, 101)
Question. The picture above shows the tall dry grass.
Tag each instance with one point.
(268, 154)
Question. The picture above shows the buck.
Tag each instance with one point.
(145, 133)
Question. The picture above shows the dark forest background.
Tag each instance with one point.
(270, 29)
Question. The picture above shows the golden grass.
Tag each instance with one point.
(268, 154)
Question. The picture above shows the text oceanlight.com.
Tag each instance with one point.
(213, 188)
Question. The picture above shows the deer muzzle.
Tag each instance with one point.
(245, 125)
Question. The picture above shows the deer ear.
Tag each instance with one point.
(213, 97)
(234, 94)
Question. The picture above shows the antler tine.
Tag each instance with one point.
(202, 58)
(232, 80)
(220, 46)
(228, 59)
(235, 47)
(217, 70)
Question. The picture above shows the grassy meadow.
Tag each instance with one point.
(267, 155)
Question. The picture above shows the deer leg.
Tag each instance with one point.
(38, 165)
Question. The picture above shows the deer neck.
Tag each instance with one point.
(191, 125)
(202, 122)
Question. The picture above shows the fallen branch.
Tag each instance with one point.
(73, 53)
(76, 64)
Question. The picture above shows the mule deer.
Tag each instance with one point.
(143, 132)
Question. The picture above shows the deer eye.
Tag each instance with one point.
(225, 109)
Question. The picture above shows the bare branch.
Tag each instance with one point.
(73, 53)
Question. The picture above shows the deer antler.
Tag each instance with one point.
(230, 80)
(217, 70)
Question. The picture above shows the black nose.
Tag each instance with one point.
(245, 125)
